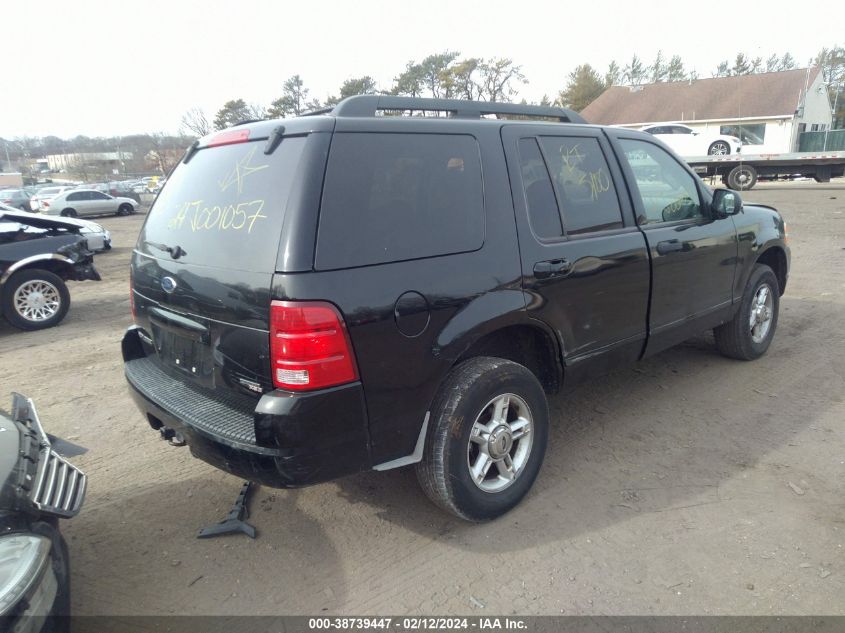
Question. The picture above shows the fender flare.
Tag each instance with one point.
(26, 261)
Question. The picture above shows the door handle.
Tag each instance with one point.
(552, 268)
(670, 246)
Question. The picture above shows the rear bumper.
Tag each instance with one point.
(283, 440)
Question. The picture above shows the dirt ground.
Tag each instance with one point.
(689, 484)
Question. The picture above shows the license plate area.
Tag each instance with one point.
(186, 351)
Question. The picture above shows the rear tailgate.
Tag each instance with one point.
(203, 266)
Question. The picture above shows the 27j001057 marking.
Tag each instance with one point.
(228, 217)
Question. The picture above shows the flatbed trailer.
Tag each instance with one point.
(741, 171)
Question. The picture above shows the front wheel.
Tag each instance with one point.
(742, 178)
(126, 209)
(488, 435)
(748, 335)
(34, 299)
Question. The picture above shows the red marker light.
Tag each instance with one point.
(229, 137)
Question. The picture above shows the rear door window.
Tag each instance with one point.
(582, 180)
(393, 197)
(543, 213)
(226, 206)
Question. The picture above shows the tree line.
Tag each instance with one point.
(448, 75)
(443, 75)
(141, 153)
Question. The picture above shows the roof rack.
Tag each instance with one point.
(369, 105)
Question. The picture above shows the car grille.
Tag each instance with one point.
(59, 485)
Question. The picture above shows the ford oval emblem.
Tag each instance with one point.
(168, 284)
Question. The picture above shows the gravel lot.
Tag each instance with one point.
(689, 484)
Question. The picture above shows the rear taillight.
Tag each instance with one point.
(132, 300)
(45, 204)
(309, 346)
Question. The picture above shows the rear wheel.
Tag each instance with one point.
(34, 299)
(488, 435)
(719, 148)
(69, 213)
(748, 335)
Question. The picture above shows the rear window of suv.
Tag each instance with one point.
(394, 197)
(226, 206)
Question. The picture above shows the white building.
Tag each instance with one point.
(767, 111)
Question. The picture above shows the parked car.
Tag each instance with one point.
(689, 142)
(44, 194)
(38, 487)
(81, 202)
(38, 255)
(98, 238)
(17, 198)
(343, 292)
(121, 189)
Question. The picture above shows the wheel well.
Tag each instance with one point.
(529, 346)
(775, 259)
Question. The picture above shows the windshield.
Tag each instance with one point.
(225, 208)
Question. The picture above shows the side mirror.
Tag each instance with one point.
(726, 202)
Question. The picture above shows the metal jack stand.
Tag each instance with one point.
(234, 521)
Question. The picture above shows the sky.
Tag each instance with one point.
(103, 68)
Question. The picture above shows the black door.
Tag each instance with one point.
(584, 262)
(693, 250)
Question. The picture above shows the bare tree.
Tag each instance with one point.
(497, 78)
(194, 122)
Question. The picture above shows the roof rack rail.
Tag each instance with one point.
(369, 105)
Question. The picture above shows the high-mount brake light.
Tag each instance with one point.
(229, 137)
(309, 346)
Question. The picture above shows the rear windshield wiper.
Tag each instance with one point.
(174, 251)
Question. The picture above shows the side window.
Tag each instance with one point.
(667, 190)
(678, 129)
(540, 199)
(394, 197)
(588, 200)
(74, 196)
(96, 195)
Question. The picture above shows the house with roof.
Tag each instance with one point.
(768, 111)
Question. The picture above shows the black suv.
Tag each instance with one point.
(347, 291)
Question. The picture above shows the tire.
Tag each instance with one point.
(736, 338)
(718, 148)
(125, 209)
(742, 178)
(472, 395)
(68, 213)
(49, 299)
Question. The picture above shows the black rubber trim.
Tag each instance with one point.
(228, 417)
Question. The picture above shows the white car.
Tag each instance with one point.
(689, 142)
(80, 202)
(99, 239)
(45, 193)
